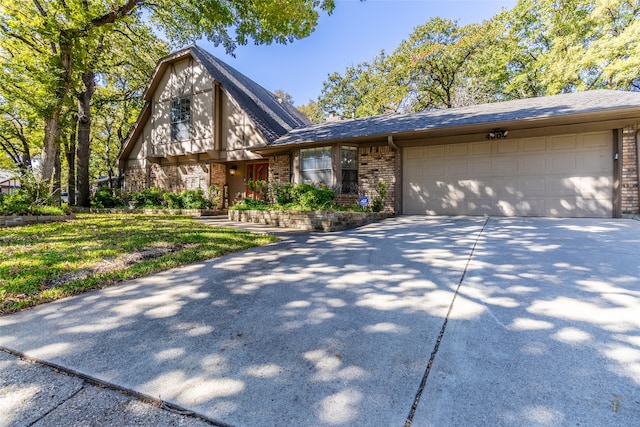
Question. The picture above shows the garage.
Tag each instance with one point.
(557, 176)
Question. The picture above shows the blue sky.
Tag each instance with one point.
(355, 32)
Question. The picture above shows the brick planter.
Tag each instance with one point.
(307, 220)
(18, 220)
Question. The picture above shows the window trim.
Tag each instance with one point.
(182, 117)
(353, 188)
(316, 170)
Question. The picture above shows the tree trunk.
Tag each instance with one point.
(70, 152)
(84, 137)
(51, 146)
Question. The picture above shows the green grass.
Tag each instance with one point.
(45, 262)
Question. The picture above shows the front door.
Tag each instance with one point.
(256, 172)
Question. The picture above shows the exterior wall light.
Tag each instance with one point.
(497, 134)
(232, 170)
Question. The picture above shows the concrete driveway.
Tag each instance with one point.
(412, 321)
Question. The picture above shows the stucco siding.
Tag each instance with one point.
(202, 122)
(238, 130)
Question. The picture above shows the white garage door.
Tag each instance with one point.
(557, 176)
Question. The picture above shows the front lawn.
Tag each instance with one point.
(44, 262)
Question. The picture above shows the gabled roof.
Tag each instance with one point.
(271, 116)
(6, 175)
(522, 111)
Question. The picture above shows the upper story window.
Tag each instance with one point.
(315, 165)
(180, 118)
(349, 166)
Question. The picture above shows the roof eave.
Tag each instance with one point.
(606, 117)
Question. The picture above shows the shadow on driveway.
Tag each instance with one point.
(337, 329)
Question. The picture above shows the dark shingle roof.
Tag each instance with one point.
(272, 117)
(499, 112)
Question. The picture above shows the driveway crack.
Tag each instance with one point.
(423, 382)
(62, 402)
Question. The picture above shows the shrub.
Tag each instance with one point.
(194, 199)
(173, 200)
(18, 203)
(316, 198)
(22, 203)
(281, 194)
(215, 195)
(105, 197)
(250, 204)
(378, 201)
(148, 198)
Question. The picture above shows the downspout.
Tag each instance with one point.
(397, 185)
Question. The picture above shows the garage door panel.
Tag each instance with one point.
(436, 151)
(457, 168)
(595, 161)
(458, 149)
(568, 175)
(534, 144)
(508, 146)
(532, 165)
(482, 167)
(563, 163)
(563, 142)
(481, 147)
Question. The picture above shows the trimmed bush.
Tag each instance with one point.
(148, 198)
(105, 197)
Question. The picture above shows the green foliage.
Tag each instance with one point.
(173, 200)
(22, 203)
(315, 198)
(378, 201)
(194, 199)
(281, 194)
(540, 47)
(18, 203)
(303, 197)
(148, 198)
(215, 195)
(249, 204)
(105, 197)
(260, 188)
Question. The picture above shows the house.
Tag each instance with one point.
(9, 184)
(569, 155)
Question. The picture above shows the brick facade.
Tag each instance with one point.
(179, 177)
(377, 164)
(280, 168)
(135, 179)
(629, 186)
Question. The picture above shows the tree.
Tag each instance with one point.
(574, 45)
(312, 111)
(59, 32)
(283, 96)
(434, 62)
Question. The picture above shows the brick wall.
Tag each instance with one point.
(218, 178)
(280, 168)
(179, 177)
(630, 197)
(377, 164)
(135, 179)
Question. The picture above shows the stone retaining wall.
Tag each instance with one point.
(307, 220)
(191, 212)
(18, 220)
